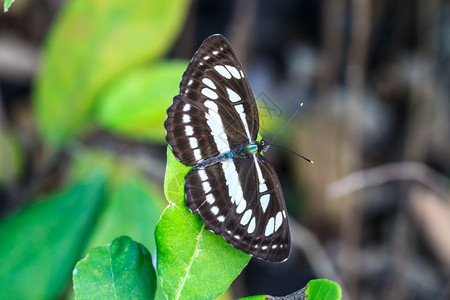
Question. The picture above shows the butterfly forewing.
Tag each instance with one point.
(236, 193)
(215, 105)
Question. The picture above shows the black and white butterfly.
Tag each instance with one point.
(213, 125)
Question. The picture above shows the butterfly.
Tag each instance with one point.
(212, 125)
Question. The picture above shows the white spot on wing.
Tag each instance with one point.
(202, 174)
(214, 122)
(233, 96)
(193, 142)
(197, 154)
(209, 83)
(262, 182)
(264, 200)
(190, 82)
(251, 226)
(240, 109)
(215, 210)
(215, 52)
(189, 130)
(234, 187)
(262, 187)
(206, 187)
(209, 93)
(221, 218)
(241, 206)
(233, 71)
(223, 71)
(212, 106)
(246, 217)
(210, 198)
(206, 57)
(186, 107)
(186, 118)
(269, 227)
(278, 220)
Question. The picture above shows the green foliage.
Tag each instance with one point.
(103, 66)
(93, 42)
(132, 204)
(192, 262)
(320, 289)
(258, 297)
(121, 270)
(41, 243)
(7, 4)
(135, 104)
(11, 157)
(132, 207)
(317, 289)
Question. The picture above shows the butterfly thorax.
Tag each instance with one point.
(245, 150)
(248, 149)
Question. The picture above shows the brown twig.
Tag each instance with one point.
(372, 177)
(309, 244)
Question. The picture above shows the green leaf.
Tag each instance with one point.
(132, 204)
(90, 44)
(135, 105)
(121, 270)
(192, 262)
(174, 180)
(11, 157)
(132, 207)
(259, 297)
(42, 242)
(7, 4)
(319, 289)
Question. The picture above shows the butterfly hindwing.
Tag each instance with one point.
(241, 199)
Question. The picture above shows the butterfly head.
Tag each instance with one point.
(263, 145)
(252, 148)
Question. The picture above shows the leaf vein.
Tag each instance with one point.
(191, 261)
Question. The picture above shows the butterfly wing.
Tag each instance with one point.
(242, 200)
(215, 110)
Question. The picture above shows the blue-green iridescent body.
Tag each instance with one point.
(246, 150)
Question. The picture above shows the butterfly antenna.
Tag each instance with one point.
(284, 148)
(287, 123)
(289, 150)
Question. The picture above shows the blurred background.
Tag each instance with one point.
(84, 86)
